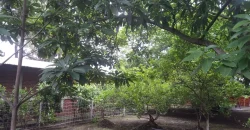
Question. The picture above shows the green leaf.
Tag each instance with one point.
(193, 56)
(243, 16)
(82, 69)
(4, 32)
(35, 4)
(67, 59)
(228, 63)
(206, 64)
(243, 64)
(108, 31)
(75, 75)
(225, 71)
(233, 44)
(241, 23)
(7, 16)
(44, 44)
(54, 84)
(223, 56)
(239, 42)
(83, 80)
(98, 5)
(246, 74)
(211, 54)
(236, 35)
(210, 47)
(192, 50)
(81, 61)
(126, 2)
(114, 10)
(59, 74)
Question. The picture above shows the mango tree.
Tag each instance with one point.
(208, 93)
(84, 28)
(147, 92)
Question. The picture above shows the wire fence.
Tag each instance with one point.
(42, 115)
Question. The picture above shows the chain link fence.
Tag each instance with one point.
(42, 115)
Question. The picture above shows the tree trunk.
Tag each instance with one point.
(19, 67)
(16, 54)
(198, 114)
(207, 122)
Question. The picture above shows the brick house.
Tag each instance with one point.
(31, 70)
(29, 76)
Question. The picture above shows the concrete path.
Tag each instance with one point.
(245, 109)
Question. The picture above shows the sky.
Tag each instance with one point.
(10, 49)
(7, 48)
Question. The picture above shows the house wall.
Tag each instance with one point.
(69, 107)
(244, 101)
(30, 76)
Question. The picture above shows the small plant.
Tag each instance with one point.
(49, 116)
(95, 120)
(247, 124)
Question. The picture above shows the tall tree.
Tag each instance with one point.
(87, 29)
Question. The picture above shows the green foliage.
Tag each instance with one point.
(2, 88)
(106, 97)
(89, 30)
(247, 124)
(49, 116)
(68, 69)
(194, 55)
(27, 110)
(85, 94)
(4, 32)
(236, 60)
(4, 106)
(145, 92)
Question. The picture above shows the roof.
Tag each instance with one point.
(26, 63)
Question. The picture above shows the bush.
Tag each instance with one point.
(247, 124)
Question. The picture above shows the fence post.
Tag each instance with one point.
(40, 114)
(91, 109)
(124, 111)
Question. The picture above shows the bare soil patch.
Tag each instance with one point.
(166, 122)
(105, 123)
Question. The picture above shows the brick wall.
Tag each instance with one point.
(69, 107)
(8, 76)
(244, 101)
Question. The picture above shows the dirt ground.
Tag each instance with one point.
(166, 122)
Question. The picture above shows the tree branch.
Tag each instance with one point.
(222, 16)
(196, 41)
(21, 47)
(157, 115)
(32, 95)
(33, 88)
(24, 44)
(215, 18)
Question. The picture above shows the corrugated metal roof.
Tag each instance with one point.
(27, 63)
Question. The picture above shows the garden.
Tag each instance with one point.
(125, 64)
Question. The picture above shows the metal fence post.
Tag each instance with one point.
(91, 109)
(40, 114)
(124, 111)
